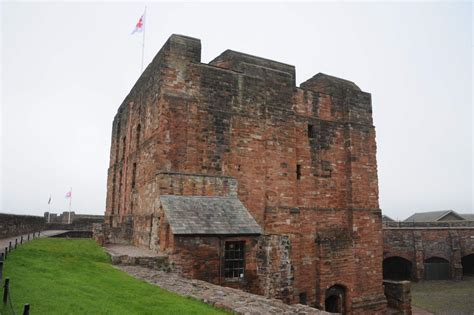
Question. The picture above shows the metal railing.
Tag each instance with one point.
(7, 299)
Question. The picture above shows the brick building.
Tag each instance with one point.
(244, 179)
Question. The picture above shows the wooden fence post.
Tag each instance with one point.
(5, 290)
(26, 309)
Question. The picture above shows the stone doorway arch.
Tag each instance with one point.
(397, 268)
(437, 268)
(335, 301)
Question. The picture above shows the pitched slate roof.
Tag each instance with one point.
(208, 215)
(468, 216)
(431, 216)
(386, 218)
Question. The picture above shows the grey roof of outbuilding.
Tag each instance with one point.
(468, 216)
(431, 216)
(208, 215)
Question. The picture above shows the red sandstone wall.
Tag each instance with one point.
(200, 257)
(252, 124)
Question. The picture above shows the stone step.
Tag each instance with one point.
(135, 258)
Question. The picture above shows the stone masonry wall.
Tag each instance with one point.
(13, 225)
(398, 295)
(420, 242)
(79, 224)
(304, 159)
(200, 257)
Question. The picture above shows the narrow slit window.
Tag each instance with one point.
(234, 264)
(117, 143)
(298, 171)
(310, 131)
(134, 174)
(139, 129)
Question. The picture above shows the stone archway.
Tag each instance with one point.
(335, 301)
(437, 268)
(468, 265)
(397, 268)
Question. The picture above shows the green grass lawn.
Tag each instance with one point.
(74, 276)
(445, 296)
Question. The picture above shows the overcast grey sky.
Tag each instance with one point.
(66, 67)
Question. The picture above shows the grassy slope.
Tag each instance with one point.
(446, 297)
(61, 276)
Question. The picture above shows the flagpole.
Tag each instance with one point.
(143, 41)
(70, 200)
(49, 209)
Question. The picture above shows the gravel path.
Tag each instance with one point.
(233, 300)
(4, 242)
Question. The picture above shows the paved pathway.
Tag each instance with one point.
(4, 242)
(233, 300)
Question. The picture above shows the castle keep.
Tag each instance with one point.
(244, 179)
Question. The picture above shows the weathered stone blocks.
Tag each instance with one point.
(302, 160)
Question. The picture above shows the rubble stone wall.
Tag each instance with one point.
(421, 242)
(14, 225)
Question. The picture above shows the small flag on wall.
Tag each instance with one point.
(140, 25)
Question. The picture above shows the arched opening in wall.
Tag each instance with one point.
(468, 265)
(397, 268)
(437, 268)
(335, 299)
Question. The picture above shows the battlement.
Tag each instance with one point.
(241, 62)
(328, 84)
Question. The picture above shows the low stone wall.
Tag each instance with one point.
(75, 234)
(13, 225)
(79, 224)
(398, 294)
(232, 300)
